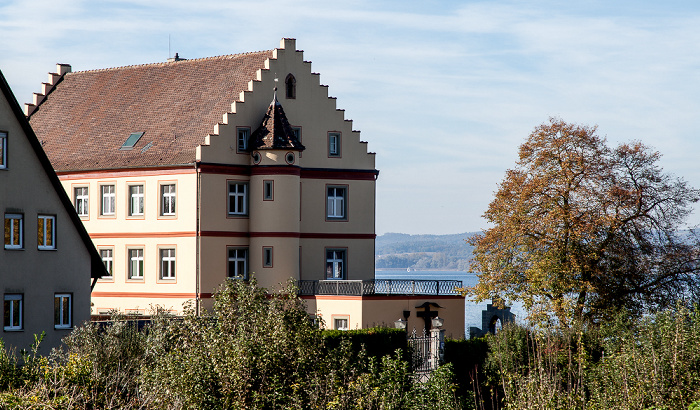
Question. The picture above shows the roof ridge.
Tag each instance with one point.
(164, 63)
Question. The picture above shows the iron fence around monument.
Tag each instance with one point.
(379, 287)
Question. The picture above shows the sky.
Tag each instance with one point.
(443, 91)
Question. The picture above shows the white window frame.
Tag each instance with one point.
(168, 198)
(344, 327)
(240, 199)
(81, 195)
(14, 310)
(3, 150)
(62, 319)
(107, 255)
(136, 200)
(240, 255)
(135, 263)
(334, 144)
(167, 263)
(242, 138)
(108, 196)
(42, 235)
(13, 220)
(336, 202)
(336, 268)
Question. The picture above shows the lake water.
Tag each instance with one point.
(472, 310)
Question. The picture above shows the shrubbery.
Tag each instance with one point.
(254, 351)
(650, 363)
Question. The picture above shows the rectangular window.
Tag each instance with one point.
(333, 144)
(107, 259)
(167, 199)
(46, 232)
(341, 323)
(109, 202)
(13, 231)
(238, 263)
(135, 200)
(62, 310)
(336, 204)
(268, 190)
(267, 256)
(3, 150)
(335, 263)
(135, 263)
(13, 311)
(242, 139)
(297, 135)
(167, 263)
(80, 196)
(238, 198)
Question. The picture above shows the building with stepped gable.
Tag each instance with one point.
(191, 172)
(47, 262)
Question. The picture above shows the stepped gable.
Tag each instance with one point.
(88, 115)
(275, 131)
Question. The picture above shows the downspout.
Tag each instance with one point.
(198, 239)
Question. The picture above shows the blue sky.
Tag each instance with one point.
(443, 91)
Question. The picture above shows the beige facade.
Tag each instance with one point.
(234, 179)
(359, 312)
(283, 228)
(47, 259)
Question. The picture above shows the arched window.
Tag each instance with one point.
(291, 86)
(496, 325)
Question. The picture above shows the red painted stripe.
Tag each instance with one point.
(128, 172)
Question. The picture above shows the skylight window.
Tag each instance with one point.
(132, 140)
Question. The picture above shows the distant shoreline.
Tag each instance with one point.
(419, 270)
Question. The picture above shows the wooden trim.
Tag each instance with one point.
(144, 295)
(232, 234)
(310, 173)
(126, 172)
(349, 174)
(229, 169)
(118, 235)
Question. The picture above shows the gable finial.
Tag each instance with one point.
(274, 95)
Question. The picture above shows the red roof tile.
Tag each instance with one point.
(87, 117)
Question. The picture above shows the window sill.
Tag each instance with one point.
(63, 328)
(47, 249)
(13, 330)
(10, 248)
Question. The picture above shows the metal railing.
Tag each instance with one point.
(379, 287)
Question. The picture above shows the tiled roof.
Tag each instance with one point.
(275, 131)
(97, 267)
(83, 122)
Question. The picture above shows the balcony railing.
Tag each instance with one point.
(379, 287)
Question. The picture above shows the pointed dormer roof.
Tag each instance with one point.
(275, 131)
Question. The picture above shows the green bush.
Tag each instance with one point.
(377, 341)
(255, 350)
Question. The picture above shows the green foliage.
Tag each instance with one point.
(467, 358)
(255, 350)
(581, 230)
(649, 363)
(376, 341)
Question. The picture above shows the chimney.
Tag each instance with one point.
(176, 58)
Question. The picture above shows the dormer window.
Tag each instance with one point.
(132, 140)
(291, 87)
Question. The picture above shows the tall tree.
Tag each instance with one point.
(581, 230)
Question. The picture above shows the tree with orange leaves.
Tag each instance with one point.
(581, 230)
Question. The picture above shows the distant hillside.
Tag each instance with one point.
(399, 250)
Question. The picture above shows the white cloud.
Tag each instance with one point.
(443, 91)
